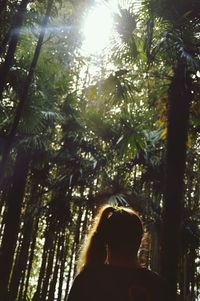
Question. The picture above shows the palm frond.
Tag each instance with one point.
(36, 143)
(36, 121)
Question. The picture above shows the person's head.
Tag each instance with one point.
(118, 230)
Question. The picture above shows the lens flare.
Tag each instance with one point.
(97, 29)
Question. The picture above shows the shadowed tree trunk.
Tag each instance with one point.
(13, 42)
(25, 93)
(51, 237)
(78, 229)
(51, 253)
(12, 220)
(43, 266)
(24, 285)
(193, 256)
(62, 269)
(178, 115)
(21, 260)
(52, 287)
(70, 271)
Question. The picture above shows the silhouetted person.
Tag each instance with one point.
(108, 267)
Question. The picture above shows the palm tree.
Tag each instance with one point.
(178, 25)
(180, 20)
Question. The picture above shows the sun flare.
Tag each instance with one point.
(98, 28)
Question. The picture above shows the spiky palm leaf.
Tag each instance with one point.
(180, 23)
(36, 120)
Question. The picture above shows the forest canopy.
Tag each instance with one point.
(99, 103)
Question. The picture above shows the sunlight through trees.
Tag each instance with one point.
(99, 103)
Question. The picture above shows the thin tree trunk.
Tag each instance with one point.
(78, 230)
(32, 249)
(14, 269)
(62, 270)
(56, 268)
(12, 220)
(43, 266)
(70, 272)
(192, 271)
(85, 222)
(3, 216)
(22, 259)
(25, 92)
(13, 44)
(3, 196)
(51, 253)
(178, 114)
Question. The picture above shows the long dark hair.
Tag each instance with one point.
(119, 228)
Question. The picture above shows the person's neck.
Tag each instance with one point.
(128, 261)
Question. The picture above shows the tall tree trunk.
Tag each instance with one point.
(20, 264)
(43, 266)
(70, 272)
(12, 220)
(25, 92)
(193, 256)
(3, 209)
(12, 45)
(51, 253)
(47, 258)
(59, 253)
(23, 293)
(15, 264)
(178, 114)
(78, 230)
(62, 269)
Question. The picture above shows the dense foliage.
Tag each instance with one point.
(72, 139)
